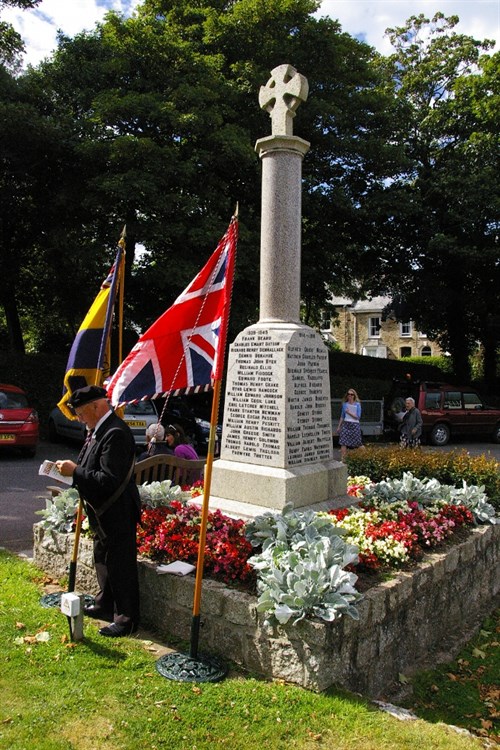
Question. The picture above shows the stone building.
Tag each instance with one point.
(365, 327)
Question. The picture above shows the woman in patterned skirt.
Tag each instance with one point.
(411, 425)
(349, 428)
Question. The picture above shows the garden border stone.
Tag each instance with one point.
(413, 621)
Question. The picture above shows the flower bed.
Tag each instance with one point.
(449, 467)
(413, 621)
(396, 529)
(171, 532)
(302, 563)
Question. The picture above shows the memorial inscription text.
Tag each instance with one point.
(271, 418)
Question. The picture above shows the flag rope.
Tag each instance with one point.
(199, 315)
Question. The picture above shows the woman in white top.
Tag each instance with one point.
(349, 428)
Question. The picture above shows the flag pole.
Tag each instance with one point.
(121, 294)
(74, 556)
(98, 381)
(183, 667)
(195, 622)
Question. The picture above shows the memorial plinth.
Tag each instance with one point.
(277, 432)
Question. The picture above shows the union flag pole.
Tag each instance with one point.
(179, 666)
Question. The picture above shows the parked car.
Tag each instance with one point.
(19, 426)
(138, 417)
(447, 410)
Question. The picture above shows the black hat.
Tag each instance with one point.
(86, 395)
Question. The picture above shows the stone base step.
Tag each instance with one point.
(235, 509)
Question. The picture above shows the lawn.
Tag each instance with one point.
(99, 694)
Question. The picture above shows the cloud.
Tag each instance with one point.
(365, 19)
(38, 27)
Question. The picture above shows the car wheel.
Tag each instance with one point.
(53, 436)
(440, 434)
(496, 434)
(29, 452)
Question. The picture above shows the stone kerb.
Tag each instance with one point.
(412, 621)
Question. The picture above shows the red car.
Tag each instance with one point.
(18, 420)
(447, 411)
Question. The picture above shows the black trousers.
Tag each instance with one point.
(115, 561)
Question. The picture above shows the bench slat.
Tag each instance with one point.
(163, 466)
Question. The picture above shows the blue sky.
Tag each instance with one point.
(365, 19)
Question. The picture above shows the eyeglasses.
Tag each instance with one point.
(351, 394)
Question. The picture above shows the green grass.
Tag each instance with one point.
(97, 693)
(465, 692)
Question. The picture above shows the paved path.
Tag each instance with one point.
(23, 492)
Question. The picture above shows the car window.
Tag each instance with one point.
(10, 400)
(472, 401)
(432, 400)
(452, 400)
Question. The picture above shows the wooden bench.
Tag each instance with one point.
(158, 468)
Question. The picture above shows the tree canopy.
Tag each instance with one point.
(151, 121)
(441, 237)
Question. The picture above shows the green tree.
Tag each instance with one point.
(441, 256)
(161, 117)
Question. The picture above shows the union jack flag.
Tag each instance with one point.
(183, 351)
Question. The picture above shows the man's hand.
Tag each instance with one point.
(66, 468)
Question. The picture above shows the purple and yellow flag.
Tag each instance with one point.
(89, 360)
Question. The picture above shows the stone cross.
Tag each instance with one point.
(281, 96)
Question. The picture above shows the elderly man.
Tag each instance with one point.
(103, 476)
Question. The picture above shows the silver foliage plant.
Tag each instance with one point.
(156, 494)
(429, 492)
(301, 567)
(59, 512)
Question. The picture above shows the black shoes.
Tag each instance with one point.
(97, 613)
(117, 631)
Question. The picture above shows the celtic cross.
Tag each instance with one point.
(281, 96)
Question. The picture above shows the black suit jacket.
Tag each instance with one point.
(103, 469)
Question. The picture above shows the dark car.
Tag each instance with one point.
(18, 420)
(447, 410)
(137, 416)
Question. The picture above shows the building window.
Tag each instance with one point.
(405, 329)
(374, 328)
(426, 351)
(375, 351)
(325, 322)
(405, 351)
